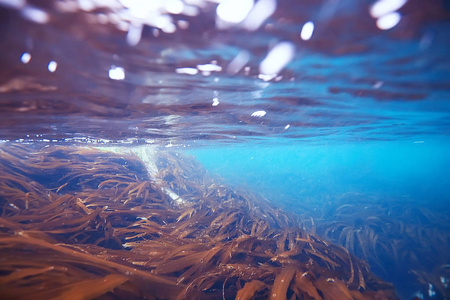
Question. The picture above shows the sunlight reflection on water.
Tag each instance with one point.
(142, 62)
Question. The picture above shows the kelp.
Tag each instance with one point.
(82, 223)
(250, 289)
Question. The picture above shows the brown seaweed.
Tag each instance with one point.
(97, 226)
(398, 234)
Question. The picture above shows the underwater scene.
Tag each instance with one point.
(225, 149)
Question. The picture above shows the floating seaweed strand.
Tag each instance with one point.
(84, 223)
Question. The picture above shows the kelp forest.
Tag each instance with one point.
(85, 223)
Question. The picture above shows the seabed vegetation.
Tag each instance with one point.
(402, 240)
(82, 223)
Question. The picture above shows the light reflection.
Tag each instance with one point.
(209, 68)
(116, 73)
(35, 14)
(182, 24)
(378, 84)
(267, 77)
(234, 11)
(140, 8)
(102, 19)
(123, 26)
(385, 11)
(86, 5)
(307, 31)
(134, 34)
(133, 15)
(188, 71)
(174, 6)
(16, 4)
(388, 21)
(169, 28)
(52, 65)
(262, 10)
(238, 62)
(431, 291)
(25, 58)
(259, 113)
(164, 22)
(215, 102)
(191, 11)
(384, 7)
(67, 6)
(278, 57)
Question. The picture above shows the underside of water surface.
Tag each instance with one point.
(224, 149)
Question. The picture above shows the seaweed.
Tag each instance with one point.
(399, 239)
(82, 223)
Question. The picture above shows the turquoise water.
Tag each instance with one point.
(284, 174)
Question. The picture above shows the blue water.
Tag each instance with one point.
(286, 174)
(315, 181)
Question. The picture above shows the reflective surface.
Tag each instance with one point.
(107, 71)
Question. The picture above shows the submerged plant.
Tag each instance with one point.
(401, 240)
(82, 223)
